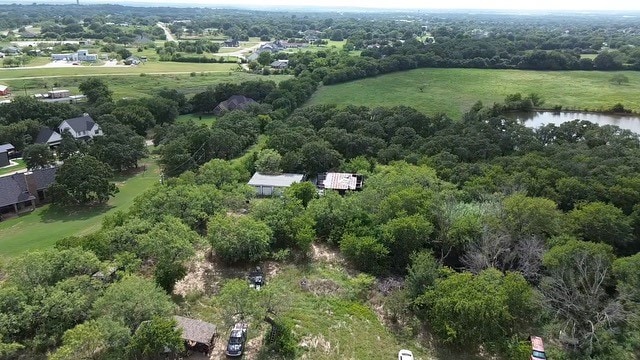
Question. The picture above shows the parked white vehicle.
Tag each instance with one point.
(405, 355)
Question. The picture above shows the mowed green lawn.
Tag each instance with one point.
(454, 91)
(207, 119)
(43, 227)
(149, 68)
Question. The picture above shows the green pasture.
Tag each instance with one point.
(81, 71)
(207, 119)
(47, 224)
(136, 85)
(454, 91)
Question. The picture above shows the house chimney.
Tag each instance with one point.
(32, 185)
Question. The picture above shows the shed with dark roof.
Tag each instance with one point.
(5, 151)
(197, 335)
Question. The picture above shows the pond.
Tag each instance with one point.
(536, 119)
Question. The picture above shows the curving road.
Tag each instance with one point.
(167, 33)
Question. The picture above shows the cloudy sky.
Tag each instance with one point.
(575, 5)
(452, 4)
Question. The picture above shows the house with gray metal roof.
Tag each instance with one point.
(268, 185)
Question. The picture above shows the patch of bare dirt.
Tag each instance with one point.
(205, 274)
(200, 277)
(322, 252)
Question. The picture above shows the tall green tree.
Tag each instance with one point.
(235, 239)
(600, 222)
(96, 90)
(484, 309)
(120, 147)
(100, 339)
(268, 162)
(153, 337)
(68, 146)
(83, 179)
(38, 156)
(133, 300)
(138, 117)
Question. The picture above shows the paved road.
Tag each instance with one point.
(166, 32)
(242, 53)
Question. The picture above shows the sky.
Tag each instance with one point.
(572, 5)
(576, 5)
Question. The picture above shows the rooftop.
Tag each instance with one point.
(6, 147)
(340, 181)
(196, 330)
(279, 180)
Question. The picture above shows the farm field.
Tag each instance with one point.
(454, 91)
(44, 226)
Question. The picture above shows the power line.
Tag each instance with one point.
(191, 158)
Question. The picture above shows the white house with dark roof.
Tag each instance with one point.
(267, 185)
(82, 127)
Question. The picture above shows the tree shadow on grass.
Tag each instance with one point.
(75, 213)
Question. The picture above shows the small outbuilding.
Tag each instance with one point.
(268, 185)
(4, 90)
(340, 181)
(197, 335)
(6, 150)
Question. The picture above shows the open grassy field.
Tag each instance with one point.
(44, 226)
(148, 68)
(207, 119)
(454, 91)
(135, 86)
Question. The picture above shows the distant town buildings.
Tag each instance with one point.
(81, 55)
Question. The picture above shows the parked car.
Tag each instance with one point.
(405, 355)
(237, 338)
(537, 348)
(256, 278)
